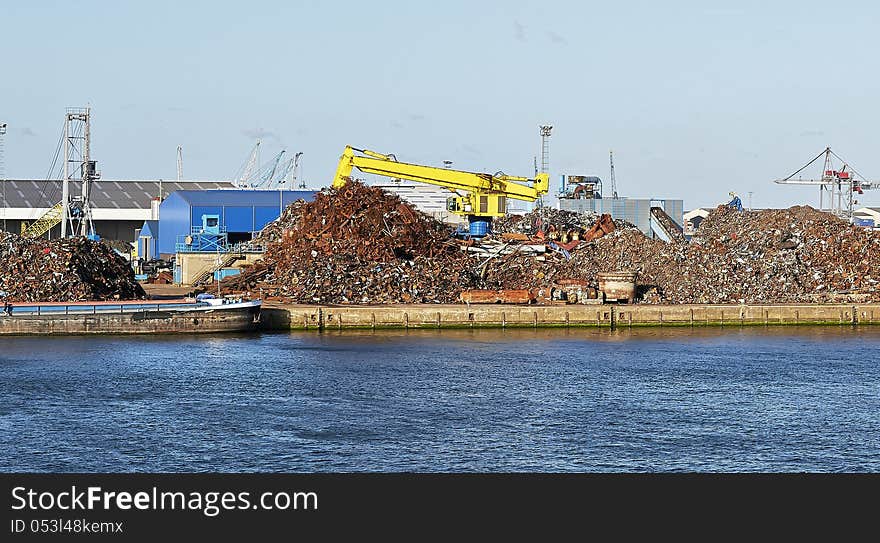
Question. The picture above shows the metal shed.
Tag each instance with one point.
(147, 240)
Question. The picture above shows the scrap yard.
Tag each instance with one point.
(367, 251)
(359, 245)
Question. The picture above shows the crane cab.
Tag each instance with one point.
(483, 205)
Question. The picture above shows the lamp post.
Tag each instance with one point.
(3, 172)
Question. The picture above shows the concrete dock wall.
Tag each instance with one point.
(299, 317)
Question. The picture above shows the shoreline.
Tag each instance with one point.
(275, 316)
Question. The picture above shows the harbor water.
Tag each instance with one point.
(752, 399)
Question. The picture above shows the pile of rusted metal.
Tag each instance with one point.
(357, 244)
(361, 245)
(788, 255)
(771, 256)
(64, 270)
(550, 220)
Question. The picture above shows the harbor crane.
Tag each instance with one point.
(838, 182)
(478, 196)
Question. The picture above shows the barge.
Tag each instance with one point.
(203, 315)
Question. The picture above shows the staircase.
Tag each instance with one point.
(227, 261)
(49, 220)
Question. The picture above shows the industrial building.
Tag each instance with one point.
(208, 232)
(240, 213)
(867, 216)
(118, 207)
(426, 198)
(581, 194)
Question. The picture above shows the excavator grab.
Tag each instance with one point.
(478, 196)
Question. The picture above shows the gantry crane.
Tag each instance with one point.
(478, 196)
(838, 182)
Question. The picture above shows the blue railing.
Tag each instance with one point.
(91, 309)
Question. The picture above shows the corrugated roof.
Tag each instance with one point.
(106, 193)
(241, 197)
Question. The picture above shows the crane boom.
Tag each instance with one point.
(485, 194)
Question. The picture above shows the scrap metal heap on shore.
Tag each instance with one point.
(361, 245)
(63, 270)
(357, 244)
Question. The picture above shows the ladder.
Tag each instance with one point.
(49, 220)
(209, 273)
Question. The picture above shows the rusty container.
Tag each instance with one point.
(476, 296)
(618, 286)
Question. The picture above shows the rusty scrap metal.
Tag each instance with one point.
(64, 270)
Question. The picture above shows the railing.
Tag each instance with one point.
(89, 309)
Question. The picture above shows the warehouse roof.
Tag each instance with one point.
(107, 194)
(241, 197)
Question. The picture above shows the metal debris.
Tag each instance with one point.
(64, 270)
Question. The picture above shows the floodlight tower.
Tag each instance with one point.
(545, 155)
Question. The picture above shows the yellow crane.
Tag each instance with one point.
(478, 196)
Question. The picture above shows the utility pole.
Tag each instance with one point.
(750, 200)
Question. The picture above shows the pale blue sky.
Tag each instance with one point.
(695, 98)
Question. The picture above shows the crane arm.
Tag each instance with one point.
(479, 183)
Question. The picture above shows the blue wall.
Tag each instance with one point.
(148, 239)
(241, 211)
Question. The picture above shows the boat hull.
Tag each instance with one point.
(245, 318)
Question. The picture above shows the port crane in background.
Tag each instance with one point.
(478, 196)
(73, 213)
(838, 182)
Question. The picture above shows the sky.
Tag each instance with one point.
(696, 99)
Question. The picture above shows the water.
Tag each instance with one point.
(787, 399)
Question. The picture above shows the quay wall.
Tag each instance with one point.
(305, 317)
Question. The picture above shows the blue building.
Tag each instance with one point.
(240, 213)
(148, 240)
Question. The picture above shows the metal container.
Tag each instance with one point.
(475, 296)
(618, 286)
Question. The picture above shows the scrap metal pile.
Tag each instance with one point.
(771, 256)
(357, 244)
(361, 245)
(64, 270)
(787, 255)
